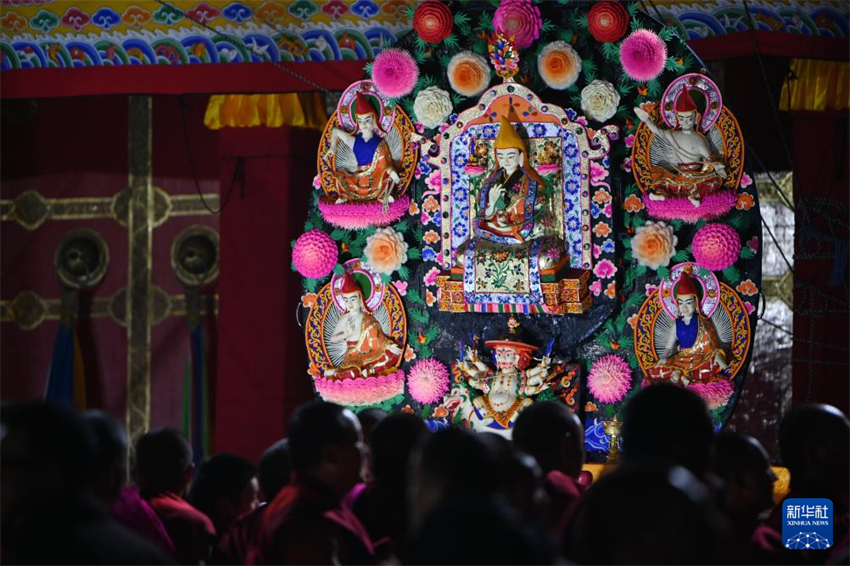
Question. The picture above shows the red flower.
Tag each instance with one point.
(433, 21)
(607, 21)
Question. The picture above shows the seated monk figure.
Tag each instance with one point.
(693, 353)
(368, 351)
(508, 196)
(689, 168)
(371, 175)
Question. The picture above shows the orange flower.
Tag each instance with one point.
(590, 407)
(413, 208)
(654, 244)
(431, 237)
(747, 287)
(430, 298)
(601, 196)
(745, 201)
(633, 204)
(431, 205)
(440, 412)
(611, 291)
(632, 320)
(559, 65)
(308, 300)
(385, 250)
(409, 354)
(407, 409)
(602, 229)
(469, 73)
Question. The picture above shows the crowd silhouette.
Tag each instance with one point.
(378, 488)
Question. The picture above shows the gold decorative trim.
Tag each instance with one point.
(140, 220)
(29, 310)
(30, 209)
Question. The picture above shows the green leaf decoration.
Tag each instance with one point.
(663, 272)
(386, 279)
(339, 269)
(547, 26)
(367, 68)
(653, 89)
(740, 221)
(425, 352)
(431, 333)
(640, 270)
(623, 112)
(485, 22)
(418, 315)
(451, 42)
(338, 234)
(677, 224)
(457, 99)
(732, 275)
(611, 51)
(403, 272)
(461, 19)
(309, 225)
(680, 256)
(414, 297)
(626, 342)
(414, 253)
(310, 285)
(588, 67)
(603, 341)
(632, 7)
(566, 35)
(747, 253)
(634, 24)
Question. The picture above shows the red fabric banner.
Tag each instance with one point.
(262, 373)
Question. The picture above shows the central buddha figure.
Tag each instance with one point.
(506, 204)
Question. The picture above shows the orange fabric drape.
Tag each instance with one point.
(303, 110)
(819, 86)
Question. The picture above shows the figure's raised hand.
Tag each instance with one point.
(642, 115)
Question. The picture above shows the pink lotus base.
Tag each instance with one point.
(357, 216)
(715, 394)
(361, 391)
(680, 208)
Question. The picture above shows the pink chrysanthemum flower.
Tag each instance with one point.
(715, 394)
(609, 379)
(394, 72)
(428, 381)
(716, 246)
(643, 55)
(315, 254)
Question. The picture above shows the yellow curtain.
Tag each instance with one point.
(819, 86)
(305, 110)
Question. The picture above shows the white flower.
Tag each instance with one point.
(385, 250)
(599, 100)
(432, 106)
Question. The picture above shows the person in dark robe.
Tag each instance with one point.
(48, 509)
(814, 444)
(273, 472)
(458, 516)
(646, 513)
(109, 470)
(225, 489)
(306, 522)
(741, 462)
(670, 425)
(163, 471)
(382, 505)
(554, 436)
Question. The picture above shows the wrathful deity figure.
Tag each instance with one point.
(693, 352)
(365, 172)
(506, 390)
(687, 166)
(368, 351)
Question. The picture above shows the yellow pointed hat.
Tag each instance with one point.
(508, 137)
